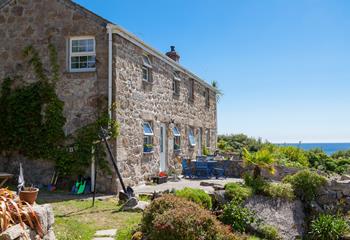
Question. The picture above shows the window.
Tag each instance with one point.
(207, 98)
(176, 83)
(147, 133)
(177, 139)
(191, 139)
(146, 69)
(82, 54)
(191, 91)
(207, 138)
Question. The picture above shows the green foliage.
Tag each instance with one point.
(170, 217)
(237, 216)
(237, 192)
(236, 142)
(306, 184)
(262, 159)
(256, 184)
(328, 227)
(279, 190)
(205, 151)
(195, 195)
(32, 121)
(269, 232)
(344, 154)
(293, 155)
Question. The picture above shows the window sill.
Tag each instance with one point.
(176, 95)
(147, 86)
(148, 153)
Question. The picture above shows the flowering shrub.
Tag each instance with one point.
(175, 218)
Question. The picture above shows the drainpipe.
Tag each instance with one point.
(110, 61)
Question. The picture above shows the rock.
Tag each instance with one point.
(345, 177)
(123, 197)
(286, 216)
(12, 233)
(219, 198)
(45, 215)
(216, 186)
(139, 207)
(132, 202)
(104, 233)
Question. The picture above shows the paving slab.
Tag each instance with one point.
(192, 183)
(106, 233)
(103, 238)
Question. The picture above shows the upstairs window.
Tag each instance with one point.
(82, 54)
(191, 90)
(176, 83)
(177, 139)
(146, 69)
(191, 138)
(207, 103)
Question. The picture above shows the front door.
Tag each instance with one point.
(163, 149)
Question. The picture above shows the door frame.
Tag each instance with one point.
(163, 150)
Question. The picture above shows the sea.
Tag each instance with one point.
(328, 148)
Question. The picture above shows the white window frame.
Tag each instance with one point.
(176, 80)
(146, 65)
(150, 127)
(81, 54)
(147, 137)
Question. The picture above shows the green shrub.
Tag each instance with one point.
(237, 192)
(269, 232)
(279, 190)
(172, 218)
(237, 216)
(294, 154)
(328, 227)
(195, 195)
(256, 184)
(306, 184)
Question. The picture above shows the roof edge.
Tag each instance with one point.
(135, 40)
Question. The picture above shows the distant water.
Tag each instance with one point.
(328, 148)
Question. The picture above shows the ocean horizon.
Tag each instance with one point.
(328, 148)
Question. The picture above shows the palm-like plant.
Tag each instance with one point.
(263, 159)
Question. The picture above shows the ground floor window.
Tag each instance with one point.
(177, 139)
(147, 137)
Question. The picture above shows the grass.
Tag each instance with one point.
(77, 219)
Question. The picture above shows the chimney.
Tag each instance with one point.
(173, 54)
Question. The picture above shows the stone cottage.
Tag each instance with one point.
(164, 109)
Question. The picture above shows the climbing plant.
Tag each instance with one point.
(32, 121)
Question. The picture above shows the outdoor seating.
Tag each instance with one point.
(187, 170)
(219, 171)
(200, 158)
(202, 169)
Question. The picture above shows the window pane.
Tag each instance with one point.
(176, 132)
(83, 45)
(145, 74)
(147, 130)
(146, 61)
(191, 138)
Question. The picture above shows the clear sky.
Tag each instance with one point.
(284, 66)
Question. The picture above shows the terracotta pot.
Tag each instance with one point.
(29, 195)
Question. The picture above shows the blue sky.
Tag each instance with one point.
(284, 66)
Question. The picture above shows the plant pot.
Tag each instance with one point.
(147, 149)
(29, 195)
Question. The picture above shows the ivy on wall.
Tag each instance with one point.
(32, 121)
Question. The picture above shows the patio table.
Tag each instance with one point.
(4, 177)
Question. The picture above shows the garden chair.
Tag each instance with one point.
(202, 169)
(219, 171)
(187, 170)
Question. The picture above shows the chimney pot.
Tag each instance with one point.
(173, 54)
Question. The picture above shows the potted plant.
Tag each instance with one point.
(29, 194)
(177, 147)
(147, 148)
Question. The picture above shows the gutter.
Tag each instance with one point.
(110, 61)
(135, 40)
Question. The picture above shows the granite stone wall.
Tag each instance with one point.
(155, 102)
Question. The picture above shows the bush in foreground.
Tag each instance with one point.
(269, 232)
(237, 216)
(328, 227)
(195, 195)
(306, 184)
(237, 192)
(174, 218)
